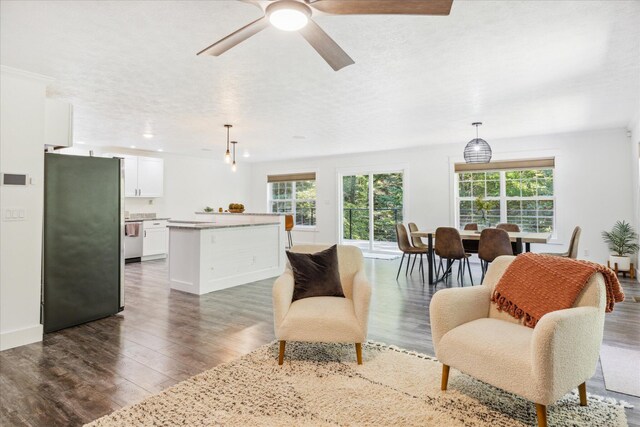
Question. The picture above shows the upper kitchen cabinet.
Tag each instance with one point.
(58, 121)
(143, 176)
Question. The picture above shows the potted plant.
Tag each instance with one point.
(208, 209)
(623, 242)
(483, 206)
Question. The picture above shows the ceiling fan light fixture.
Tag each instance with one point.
(288, 15)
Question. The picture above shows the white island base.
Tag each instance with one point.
(209, 257)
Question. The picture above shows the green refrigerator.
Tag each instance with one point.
(83, 254)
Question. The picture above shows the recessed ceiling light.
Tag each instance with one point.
(148, 135)
(80, 142)
(160, 149)
(207, 149)
(133, 146)
(246, 154)
(299, 137)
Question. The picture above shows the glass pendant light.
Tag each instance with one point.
(227, 155)
(233, 165)
(477, 150)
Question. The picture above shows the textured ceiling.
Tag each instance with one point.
(521, 67)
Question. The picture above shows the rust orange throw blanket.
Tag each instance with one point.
(534, 285)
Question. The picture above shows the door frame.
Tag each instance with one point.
(369, 170)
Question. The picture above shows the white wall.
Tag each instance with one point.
(593, 183)
(190, 183)
(22, 98)
(634, 141)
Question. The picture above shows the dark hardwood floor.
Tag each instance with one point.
(79, 374)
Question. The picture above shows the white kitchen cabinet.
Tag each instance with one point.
(150, 177)
(155, 240)
(143, 176)
(58, 122)
(130, 176)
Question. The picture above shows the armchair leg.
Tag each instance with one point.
(359, 353)
(582, 389)
(445, 377)
(542, 415)
(281, 355)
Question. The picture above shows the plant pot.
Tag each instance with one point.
(624, 262)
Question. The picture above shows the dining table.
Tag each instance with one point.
(519, 238)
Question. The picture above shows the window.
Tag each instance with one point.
(519, 196)
(294, 194)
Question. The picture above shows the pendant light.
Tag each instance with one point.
(233, 165)
(227, 155)
(477, 150)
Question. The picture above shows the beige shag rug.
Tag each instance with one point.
(321, 385)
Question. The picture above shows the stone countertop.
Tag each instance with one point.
(146, 219)
(243, 213)
(197, 225)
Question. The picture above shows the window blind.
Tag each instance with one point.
(306, 176)
(544, 163)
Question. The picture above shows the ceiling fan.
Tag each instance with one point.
(296, 15)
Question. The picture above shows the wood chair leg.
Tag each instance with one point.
(359, 353)
(542, 415)
(445, 377)
(582, 390)
(281, 355)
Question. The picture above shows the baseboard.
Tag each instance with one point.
(20, 337)
(152, 257)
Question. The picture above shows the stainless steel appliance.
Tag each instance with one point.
(83, 251)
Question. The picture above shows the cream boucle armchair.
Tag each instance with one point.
(324, 319)
(540, 364)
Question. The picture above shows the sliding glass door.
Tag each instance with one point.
(372, 203)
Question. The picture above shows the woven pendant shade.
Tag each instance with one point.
(477, 150)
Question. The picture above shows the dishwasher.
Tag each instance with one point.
(133, 243)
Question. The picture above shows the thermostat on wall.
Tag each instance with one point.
(14, 179)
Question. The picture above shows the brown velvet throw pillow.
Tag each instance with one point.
(316, 275)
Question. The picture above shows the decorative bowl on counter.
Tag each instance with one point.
(236, 208)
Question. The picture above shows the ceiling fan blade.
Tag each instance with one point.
(383, 7)
(325, 46)
(237, 37)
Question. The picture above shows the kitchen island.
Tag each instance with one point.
(209, 256)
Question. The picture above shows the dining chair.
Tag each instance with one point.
(572, 252)
(288, 226)
(494, 242)
(416, 241)
(449, 247)
(470, 246)
(407, 249)
(510, 228)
